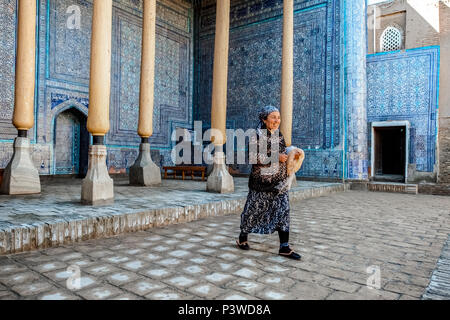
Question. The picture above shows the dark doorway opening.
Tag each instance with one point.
(71, 143)
(389, 152)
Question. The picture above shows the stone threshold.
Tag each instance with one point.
(41, 235)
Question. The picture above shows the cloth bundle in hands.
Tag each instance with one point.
(295, 159)
(294, 163)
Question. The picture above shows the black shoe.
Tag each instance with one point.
(243, 245)
(289, 253)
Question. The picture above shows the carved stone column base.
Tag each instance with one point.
(144, 172)
(220, 179)
(97, 187)
(20, 176)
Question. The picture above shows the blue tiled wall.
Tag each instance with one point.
(63, 75)
(255, 73)
(404, 86)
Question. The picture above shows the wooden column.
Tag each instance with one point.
(21, 176)
(220, 72)
(144, 171)
(287, 72)
(98, 187)
(220, 180)
(100, 72)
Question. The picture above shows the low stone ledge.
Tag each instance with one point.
(435, 189)
(22, 238)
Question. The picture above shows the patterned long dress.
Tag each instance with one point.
(267, 207)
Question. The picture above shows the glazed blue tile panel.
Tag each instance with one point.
(254, 75)
(404, 86)
(354, 44)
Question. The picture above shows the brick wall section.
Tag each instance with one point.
(444, 151)
(444, 94)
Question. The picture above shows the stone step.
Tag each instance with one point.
(22, 238)
(393, 187)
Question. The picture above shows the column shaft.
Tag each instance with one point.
(144, 171)
(21, 176)
(98, 187)
(23, 118)
(220, 72)
(146, 99)
(287, 72)
(219, 179)
(100, 72)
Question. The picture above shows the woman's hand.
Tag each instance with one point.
(299, 154)
(283, 157)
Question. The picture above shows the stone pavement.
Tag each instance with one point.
(57, 216)
(439, 287)
(348, 241)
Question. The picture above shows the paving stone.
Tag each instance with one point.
(57, 251)
(246, 286)
(49, 266)
(101, 292)
(101, 269)
(403, 288)
(157, 273)
(126, 296)
(236, 295)
(82, 263)
(274, 294)
(219, 278)
(144, 286)
(31, 289)
(134, 265)
(121, 277)
(200, 260)
(207, 251)
(339, 237)
(277, 281)
(168, 294)
(337, 284)
(180, 281)
(100, 253)
(11, 269)
(19, 278)
(8, 295)
(57, 295)
(132, 251)
(228, 256)
(59, 275)
(69, 256)
(194, 270)
(206, 291)
(248, 273)
(309, 291)
(180, 253)
(116, 259)
(187, 246)
(169, 262)
(151, 257)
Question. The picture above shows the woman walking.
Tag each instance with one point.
(267, 206)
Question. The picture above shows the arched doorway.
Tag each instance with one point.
(71, 143)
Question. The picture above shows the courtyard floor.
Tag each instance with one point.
(347, 240)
